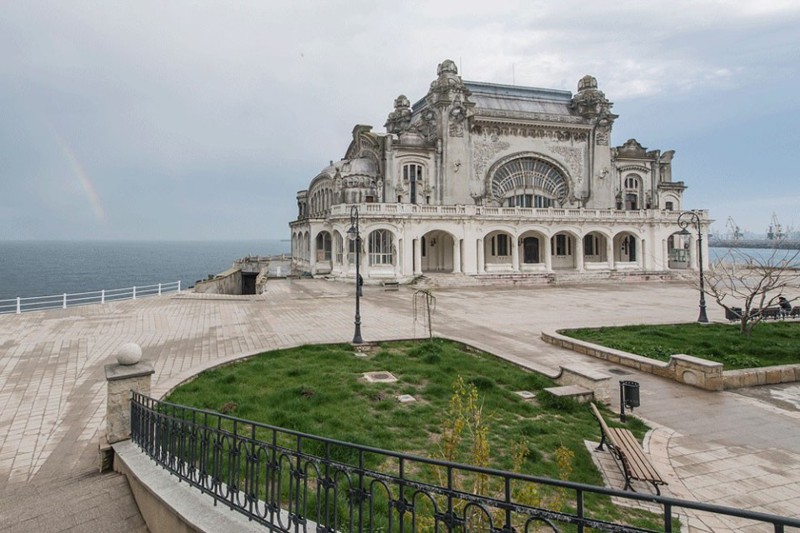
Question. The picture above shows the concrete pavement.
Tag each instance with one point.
(725, 448)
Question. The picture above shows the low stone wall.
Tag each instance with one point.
(171, 506)
(752, 377)
(682, 368)
(228, 282)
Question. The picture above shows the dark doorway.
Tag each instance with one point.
(530, 250)
(249, 282)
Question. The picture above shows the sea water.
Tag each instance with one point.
(43, 268)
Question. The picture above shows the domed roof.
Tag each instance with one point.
(361, 165)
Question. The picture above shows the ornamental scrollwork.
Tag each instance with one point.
(485, 149)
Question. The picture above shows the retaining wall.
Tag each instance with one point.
(683, 368)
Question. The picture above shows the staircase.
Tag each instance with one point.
(447, 280)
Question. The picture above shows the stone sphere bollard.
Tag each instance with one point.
(129, 354)
(129, 374)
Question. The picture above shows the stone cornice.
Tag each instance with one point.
(523, 117)
(560, 132)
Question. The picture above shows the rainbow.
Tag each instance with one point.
(83, 178)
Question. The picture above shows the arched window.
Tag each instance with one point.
(632, 185)
(412, 176)
(380, 247)
(323, 246)
(339, 247)
(529, 182)
(561, 245)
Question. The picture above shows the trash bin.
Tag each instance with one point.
(630, 392)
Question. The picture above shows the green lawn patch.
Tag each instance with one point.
(320, 390)
(772, 343)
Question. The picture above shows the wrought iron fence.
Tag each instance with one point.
(62, 301)
(291, 481)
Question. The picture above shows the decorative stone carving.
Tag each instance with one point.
(426, 126)
(449, 84)
(457, 115)
(400, 119)
(484, 150)
(535, 132)
(601, 136)
(574, 159)
(591, 103)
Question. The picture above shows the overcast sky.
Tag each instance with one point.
(191, 120)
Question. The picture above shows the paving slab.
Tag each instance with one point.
(52, 387)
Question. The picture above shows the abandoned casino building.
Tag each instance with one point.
(494, 181)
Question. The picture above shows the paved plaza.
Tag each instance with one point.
(727, 448)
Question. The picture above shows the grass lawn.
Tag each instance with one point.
(772, 343)
(319, 390)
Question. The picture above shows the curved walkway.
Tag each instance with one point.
(724, 448)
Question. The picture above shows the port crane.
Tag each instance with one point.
(734, 230)
(775, 231)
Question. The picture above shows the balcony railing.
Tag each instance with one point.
(291, 481)
(64, 300)
(549, 213)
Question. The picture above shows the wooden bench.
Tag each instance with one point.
(628, 454)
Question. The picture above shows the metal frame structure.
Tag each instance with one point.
(291, 482)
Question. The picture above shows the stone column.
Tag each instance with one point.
(514, 253)
(456, 256)
(128, 374)
(417, 257)
(578, 253)
(693, 248)
(610, 252)
(642, 257)
(479, 248)
(548, 254)
(312, 255)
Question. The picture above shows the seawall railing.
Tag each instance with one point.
(291, 482)
(64, 300)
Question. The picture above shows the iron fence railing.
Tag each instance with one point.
(290, 481)
(62, 301)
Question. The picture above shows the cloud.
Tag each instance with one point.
(179, 98)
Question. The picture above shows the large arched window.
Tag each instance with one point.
(529, 182)
(380, 247)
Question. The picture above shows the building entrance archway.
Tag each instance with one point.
(437, 248)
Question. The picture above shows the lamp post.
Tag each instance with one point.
(353, 234)
(691, 218)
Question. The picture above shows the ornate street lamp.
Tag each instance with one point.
(354, 235)
(691, 218)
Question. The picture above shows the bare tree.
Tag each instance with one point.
(748, 285)
(424, 299)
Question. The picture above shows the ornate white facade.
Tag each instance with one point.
(493, 180)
